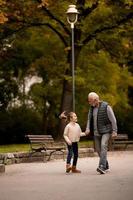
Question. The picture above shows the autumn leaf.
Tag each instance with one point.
(3, 18)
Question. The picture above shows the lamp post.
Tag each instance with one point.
(72, 16)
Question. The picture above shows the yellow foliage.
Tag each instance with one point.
(3, 18)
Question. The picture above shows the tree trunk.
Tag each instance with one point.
(66, 101)
(44, 118)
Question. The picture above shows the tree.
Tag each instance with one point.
(102, 27)
(3, 17)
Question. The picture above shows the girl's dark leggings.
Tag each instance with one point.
(72, 151)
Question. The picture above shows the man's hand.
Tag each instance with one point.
(114, 134)
(87, 132)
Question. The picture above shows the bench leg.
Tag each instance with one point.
(44, 156)
(54, 152)
(50, 155)
(63, 154)
(126, 145)
(42, 153)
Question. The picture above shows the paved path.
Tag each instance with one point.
(47, 181)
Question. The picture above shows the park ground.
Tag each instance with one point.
(48, 181)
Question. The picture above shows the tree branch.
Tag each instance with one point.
(33, 24)
(5, 36)
(52, 16)
(89, 10)
(106, 28)
(52, 28)
(110, 50)
(80, 2)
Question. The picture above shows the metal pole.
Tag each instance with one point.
(73, 70)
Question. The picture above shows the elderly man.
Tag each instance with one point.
(102, 122)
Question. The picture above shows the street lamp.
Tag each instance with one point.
(72, 16)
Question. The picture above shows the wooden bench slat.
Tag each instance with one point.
(45, 142)
(121, 139)
(39, 139)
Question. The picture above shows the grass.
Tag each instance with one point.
(86, 144)
(11, 148)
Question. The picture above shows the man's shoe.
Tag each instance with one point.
(107, 170)
(101, 171)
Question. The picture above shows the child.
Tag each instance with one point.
(72, 133)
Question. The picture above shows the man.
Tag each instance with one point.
(102, 122)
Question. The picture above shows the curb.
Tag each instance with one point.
(25, 157)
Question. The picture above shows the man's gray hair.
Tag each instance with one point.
(93, 95)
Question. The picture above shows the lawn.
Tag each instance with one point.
(10, 148)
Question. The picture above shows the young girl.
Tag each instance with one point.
(72, 133)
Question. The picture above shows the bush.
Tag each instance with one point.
(124, 120)
(18, 122)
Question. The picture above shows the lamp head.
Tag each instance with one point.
(72, 14)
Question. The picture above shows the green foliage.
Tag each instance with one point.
(17, 123)
(8, 91)
(124, 118)
(36, 40)
(98, 73)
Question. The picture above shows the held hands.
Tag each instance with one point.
(114, 134)
(87, 132)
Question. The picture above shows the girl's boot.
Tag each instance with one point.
(68, 168)
(74, 170)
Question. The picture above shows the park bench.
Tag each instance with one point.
(121, 140)
(45, 144)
